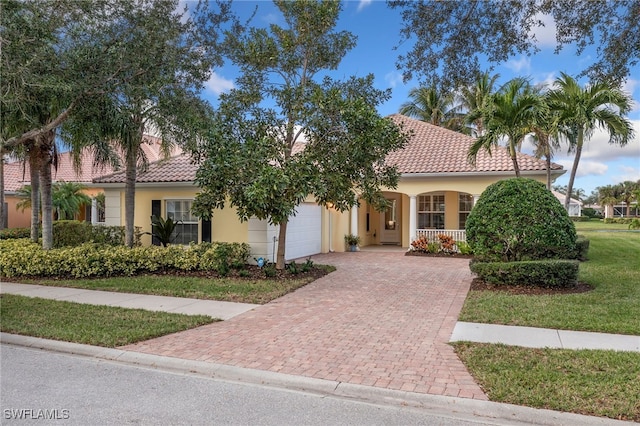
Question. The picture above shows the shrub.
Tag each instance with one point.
(519, 219)
(420, 245)
(621, 220)
(590, 212)
(21, 257)
(464, 247)
(13, 233)
(71, 233)
(635, 224)
(582, 248)
(447, 244)
(542, 273)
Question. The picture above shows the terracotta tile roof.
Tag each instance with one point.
(175, 169)
(16, 174)
(434, 149)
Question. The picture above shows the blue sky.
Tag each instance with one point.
(377, 28)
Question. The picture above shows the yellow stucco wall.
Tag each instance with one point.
(16, 218)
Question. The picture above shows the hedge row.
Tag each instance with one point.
(622, 220)
(541, 273)
(70, 233)
(22, 258)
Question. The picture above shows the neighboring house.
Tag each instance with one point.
(575, 206)
(16, 175)
(436, 192)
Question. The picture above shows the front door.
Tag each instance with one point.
(390, 222)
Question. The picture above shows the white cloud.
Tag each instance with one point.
(363, 4)
(598, 146)
(519, 65)
(624, 173)
(394, 78)
(545, 80)
(218, 84)
(585, 168)
(545, 34)
(270, 18)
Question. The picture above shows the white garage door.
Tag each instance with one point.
(304, 232)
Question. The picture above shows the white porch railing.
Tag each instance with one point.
(432, 234)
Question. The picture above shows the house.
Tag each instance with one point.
(17, 174)
(575, 206)
(437, 190)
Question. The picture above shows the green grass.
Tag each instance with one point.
(597, 383)
(89, 324)
(225, 289)
(599, 225)
(613, 306)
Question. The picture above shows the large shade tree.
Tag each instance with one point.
(284, 133)
(100, 69)
(582, 110)
(453, 39)
(474, 98)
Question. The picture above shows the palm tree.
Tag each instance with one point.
(628, 191)
(545, 136)
(430, 106)
(509, 113)
(608, 195)
(68, 198)
(582, 110)
(474, 99)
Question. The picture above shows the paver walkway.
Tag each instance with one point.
(382, 319)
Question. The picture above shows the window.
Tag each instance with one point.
(431, 211)
(187, 230)
(465, 206)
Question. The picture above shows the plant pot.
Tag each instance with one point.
(353, 248)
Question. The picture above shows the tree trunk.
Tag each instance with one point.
(130, 196)
(548, 159)
(34, 177)
(45, 150)
(574, 170)
(282, 242)
(2, 213)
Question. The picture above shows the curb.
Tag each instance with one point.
(453, 407)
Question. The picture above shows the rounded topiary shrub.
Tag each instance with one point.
(519, 219)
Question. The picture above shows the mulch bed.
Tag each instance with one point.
(456, 255)
(479, 285)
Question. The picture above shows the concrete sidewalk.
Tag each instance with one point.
(176, 305)
(529, 337)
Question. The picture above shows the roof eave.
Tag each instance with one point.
(554, 173)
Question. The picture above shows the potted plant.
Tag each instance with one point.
(352, 242)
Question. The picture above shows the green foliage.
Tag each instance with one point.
(162, 229)
(620, 220)
(589, 212)
(464, 247)
(251, 157)
(352, 240)
(540, 273)
(519, 219)
(307, 265)
(71, 233)
(635, 224)
(12, 233)
(21, 258)
(448, 40)
(582, 248)
(294, 268)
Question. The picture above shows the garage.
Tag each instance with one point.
(304, 232)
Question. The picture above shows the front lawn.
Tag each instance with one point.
(600, 383)
(613, 306)
(89, 324)
(595, 383)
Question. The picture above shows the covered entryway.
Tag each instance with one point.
(304, 232)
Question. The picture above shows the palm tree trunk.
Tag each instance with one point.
(574, 169)
(130, 196)
(514, 158)
(548, 160)
(282, 242)
(34, 177)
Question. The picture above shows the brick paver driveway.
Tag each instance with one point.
(382, 319)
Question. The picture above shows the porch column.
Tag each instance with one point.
(413, 218)
(94, 211)
(354, 220)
